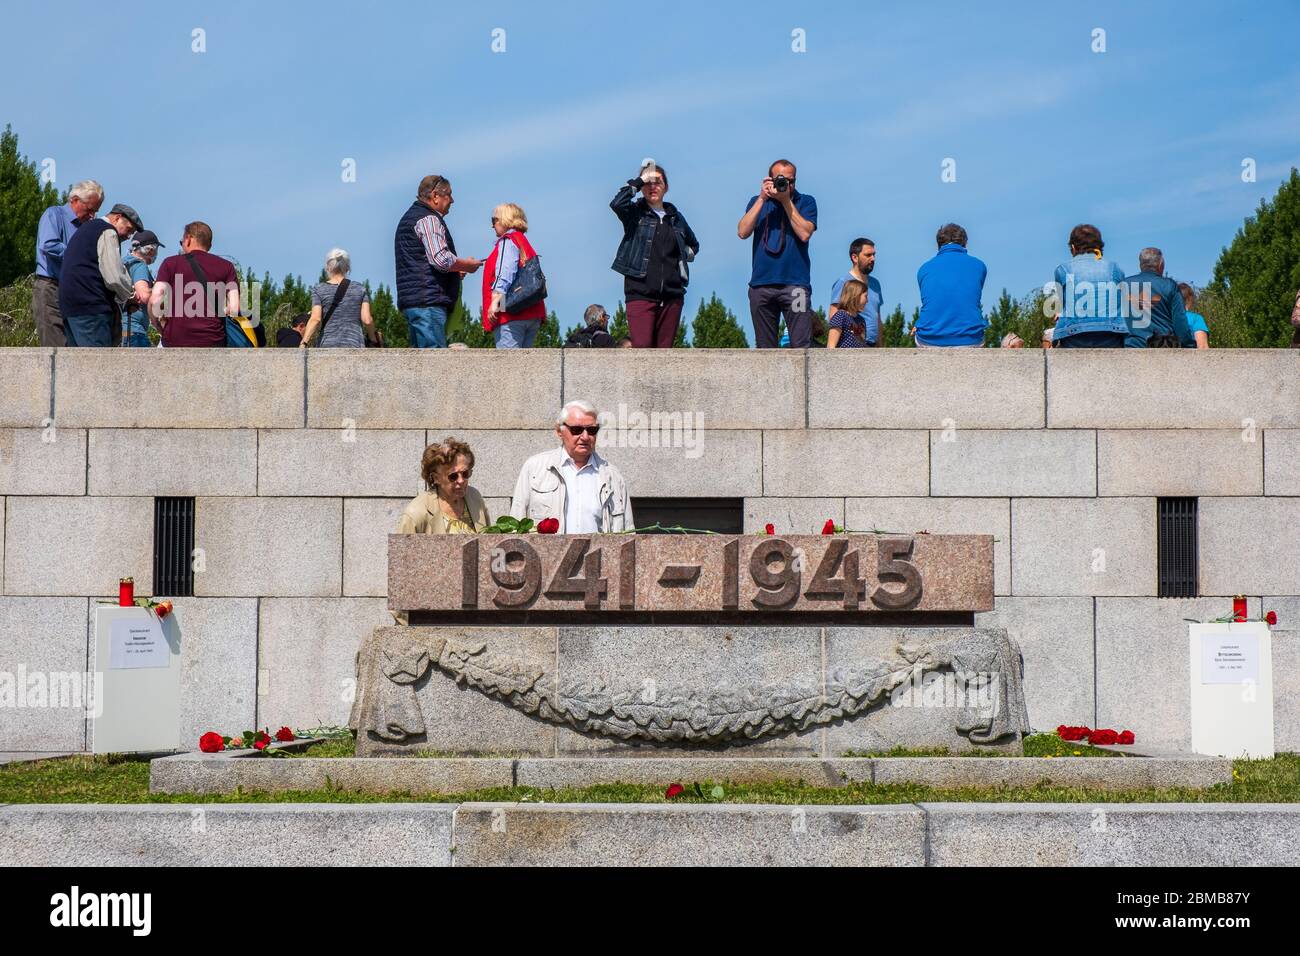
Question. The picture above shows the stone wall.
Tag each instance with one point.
(301, 462)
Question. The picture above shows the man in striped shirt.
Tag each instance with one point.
(429, 271)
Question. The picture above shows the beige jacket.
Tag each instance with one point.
(540, 492)
(423, 516)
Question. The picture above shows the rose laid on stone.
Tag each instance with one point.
(769, 529)
(162, 608)
(1125, 737)
(828, 527)
(676, 790)
(1099, 738)
(1271, 618)
(548, 526)
(211, 743)
(284, 735)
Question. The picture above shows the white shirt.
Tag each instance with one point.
(581, 497)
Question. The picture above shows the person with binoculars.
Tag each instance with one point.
(781, 220)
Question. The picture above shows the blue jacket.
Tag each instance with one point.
(1092, 296)
(419, 284)
(951, 286)
(1168, 314)
(639, 223)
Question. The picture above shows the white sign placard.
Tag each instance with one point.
(137, 644)
(1231, 689)
(1229, 657)
(138, 662)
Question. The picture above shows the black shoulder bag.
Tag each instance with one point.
(334, 304)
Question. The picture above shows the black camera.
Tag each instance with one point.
(780, 183)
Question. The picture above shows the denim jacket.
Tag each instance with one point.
(639, 221)
(1092, 295)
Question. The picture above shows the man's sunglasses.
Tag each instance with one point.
(582, 429)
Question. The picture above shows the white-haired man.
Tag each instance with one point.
(572, 483)
(56, 227)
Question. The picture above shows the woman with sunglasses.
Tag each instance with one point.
(652, 256)
(450, 506)
(510, 330)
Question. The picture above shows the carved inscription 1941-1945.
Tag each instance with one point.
(853, 573)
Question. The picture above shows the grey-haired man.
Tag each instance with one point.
(572, 483)
(94, 282)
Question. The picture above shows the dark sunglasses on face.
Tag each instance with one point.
(457, 475)
(582, 429)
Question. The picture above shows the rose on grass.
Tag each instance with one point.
(284, 735)
(829, 526)
(548, 526)
(211, 743)
(676, 790)
(1072, 733)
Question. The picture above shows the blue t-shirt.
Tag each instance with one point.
(871, 313)
(951, 286)
(781, 257)
(1196, 323)
(137, 320)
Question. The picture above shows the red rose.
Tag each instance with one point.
(260, 744)
(211, 743)
(163, 609)
(1125, 737)
(828, 527)
(1105, 737)
(284, 735)
(1072, 733)
(548, 526)
(676, 790)
(1271, 618)
(770, 529)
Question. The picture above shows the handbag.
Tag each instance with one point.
(529, 285)
(237, 336)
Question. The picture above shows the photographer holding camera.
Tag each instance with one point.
(782, 220)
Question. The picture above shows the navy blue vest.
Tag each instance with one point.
(81, 287)
(419, 284)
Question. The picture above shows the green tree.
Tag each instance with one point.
(618, 327)
(1256, 277)
(390, 323)
(467, 329)
(1004, 318)
(895, 328)
(23, 198)
(548, 333)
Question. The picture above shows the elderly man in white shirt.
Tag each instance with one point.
(573, 483)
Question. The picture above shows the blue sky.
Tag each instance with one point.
(1146, 139)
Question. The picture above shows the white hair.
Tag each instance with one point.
(1009, 339)
(338, 262)
(86, 189)
(585, 407)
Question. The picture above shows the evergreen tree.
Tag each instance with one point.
(1004, 318)
(390, 323)
(466, 328)
(1260, 272)
(548, 333)
(23, 198)
(895, 329)
(618, 327)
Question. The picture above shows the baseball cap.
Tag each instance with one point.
(125, 211)
(147, 237)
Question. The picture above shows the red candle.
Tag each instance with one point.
(126, 592)
(1239, 607)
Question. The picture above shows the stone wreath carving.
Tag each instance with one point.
(985, 664)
